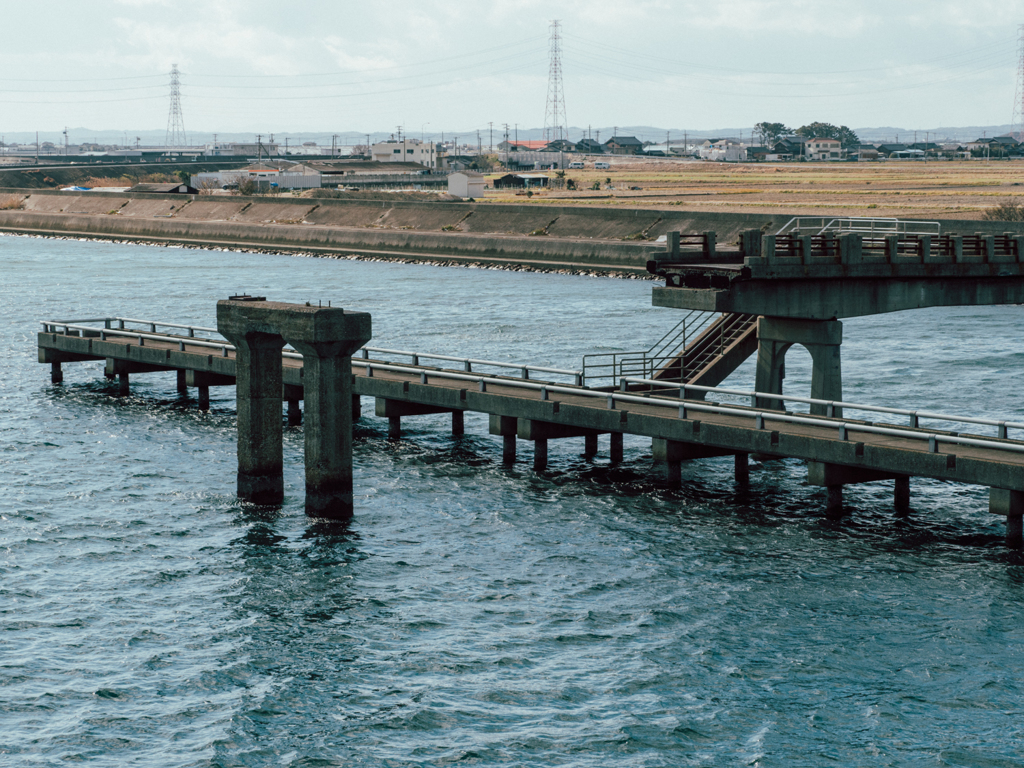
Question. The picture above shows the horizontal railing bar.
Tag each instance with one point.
(471, 361)
(156, 322)
(834, 403)
(818, 421)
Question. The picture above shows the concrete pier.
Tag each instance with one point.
(56, 374)
(1010, 504)
(326, 338)
(821, 338)
(615, 452)
(182, 382)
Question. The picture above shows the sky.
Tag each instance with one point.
(455, 66)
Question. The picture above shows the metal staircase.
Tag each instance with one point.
(702, 348)
(728, 334)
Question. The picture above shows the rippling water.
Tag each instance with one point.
(473, 613)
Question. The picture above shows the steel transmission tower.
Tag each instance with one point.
(555, 125)
(175, 123)
(1017, 123)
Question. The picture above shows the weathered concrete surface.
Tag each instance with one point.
(832, 299)
(542, 251)
(211, 209)
(326, 337)
(822, 339)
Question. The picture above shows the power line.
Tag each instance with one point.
(555, 124)
(175, 121)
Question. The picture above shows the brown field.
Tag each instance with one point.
(902, 189)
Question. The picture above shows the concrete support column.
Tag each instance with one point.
(742, 468)
(590, 445)
(668, 464)
(56, 374)
(822, 338)
(294, 413)
(1010, 504)
(901, 496)
(458, 423)
(540, 455)
(122, 384)
(508, 449)
(204, 397)
(507, 427)
(327, 396)
(357, 408)
(258, 392)
(615, 450)
(182, 385)
(394, 427)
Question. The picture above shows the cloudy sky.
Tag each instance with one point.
(345, 67)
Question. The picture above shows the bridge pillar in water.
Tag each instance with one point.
(821, 338)
(669, 456)
(507, 427)
(326, 338)
(1010, 504)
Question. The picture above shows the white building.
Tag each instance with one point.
(405, 151)
(723, 151)
(823, 149)
(466, 184)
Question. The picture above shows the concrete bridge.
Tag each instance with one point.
(685, 420)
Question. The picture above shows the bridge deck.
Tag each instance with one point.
(705, 426)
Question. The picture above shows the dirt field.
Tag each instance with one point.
(903, 189)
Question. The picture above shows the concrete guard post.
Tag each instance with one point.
(326, 337)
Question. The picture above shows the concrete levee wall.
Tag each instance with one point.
(540, 251)
(455, 229)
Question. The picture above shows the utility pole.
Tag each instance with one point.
(259, 147)
(37, 147)
(479, 144)
(490, 140)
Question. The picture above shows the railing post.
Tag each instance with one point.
(672, 242)
(709, 244)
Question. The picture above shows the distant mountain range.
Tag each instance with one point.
(347, 138)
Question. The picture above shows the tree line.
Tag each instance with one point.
(772, 133)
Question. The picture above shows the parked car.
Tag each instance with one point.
(576, 164)
(602, 165)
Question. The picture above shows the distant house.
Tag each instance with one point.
(757, 154)
(166, 189)
(995, 145)
(533, 145)
(466, 184)
(723, 151)
(820, 148)
(560, 145)
(520, 181)
(590, 147)
(623, 145)
(887, 149)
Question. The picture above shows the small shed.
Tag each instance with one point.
(466, 184)
(166, 189)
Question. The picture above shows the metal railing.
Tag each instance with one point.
(683, 408)
(109, 329)
(660, 395)
(868, 226)
(612, 366)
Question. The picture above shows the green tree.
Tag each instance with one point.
(828, 131)
(770, 133)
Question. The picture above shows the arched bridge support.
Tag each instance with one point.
(822, 338)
